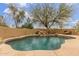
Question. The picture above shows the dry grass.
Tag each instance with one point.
(9, 32)
(6, 32)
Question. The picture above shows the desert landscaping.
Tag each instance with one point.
(70, 47)
(39, 29)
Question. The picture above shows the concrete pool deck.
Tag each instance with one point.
(69, 48)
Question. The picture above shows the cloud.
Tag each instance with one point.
(72, 23)
(20, 4)
(23, 4)
(70, 4)
(28, 15)
(6, 10)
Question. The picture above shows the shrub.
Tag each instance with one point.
(28, 26)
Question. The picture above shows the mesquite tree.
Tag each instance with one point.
(47, 15)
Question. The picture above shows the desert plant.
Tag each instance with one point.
(28, 24)
(2, 22)
(77, 26)
(17, 14)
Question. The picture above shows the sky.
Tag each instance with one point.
(72, 21)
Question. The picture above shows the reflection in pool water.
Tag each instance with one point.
(37, 43)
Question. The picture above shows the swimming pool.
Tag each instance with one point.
(37, 43)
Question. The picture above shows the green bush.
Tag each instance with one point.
(27, 26)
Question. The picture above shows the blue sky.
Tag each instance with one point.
(72, 22)
(2, 8)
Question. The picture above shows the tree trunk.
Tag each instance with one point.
(16, 23)
(47, 29)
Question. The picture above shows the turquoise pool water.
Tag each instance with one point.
(37, 43)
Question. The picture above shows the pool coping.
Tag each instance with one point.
(19, 37)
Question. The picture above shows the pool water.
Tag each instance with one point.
(37, 43)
